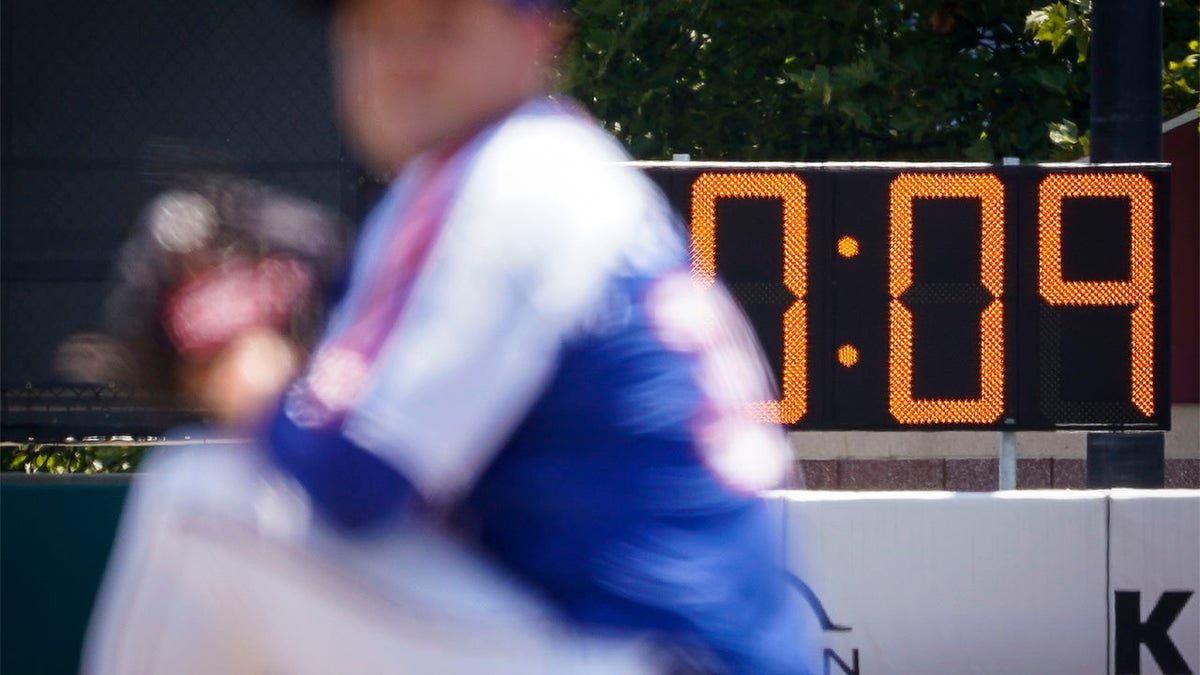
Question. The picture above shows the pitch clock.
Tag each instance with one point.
(943, 296)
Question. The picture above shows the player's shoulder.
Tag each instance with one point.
(549, 181)
(556, 131)
(555, 156)
(553, 196)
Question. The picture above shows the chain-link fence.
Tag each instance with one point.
(100, 100)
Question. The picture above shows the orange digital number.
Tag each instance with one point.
(990, 404)
(705, 191)
(1136, 291)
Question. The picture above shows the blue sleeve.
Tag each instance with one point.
(348, 485)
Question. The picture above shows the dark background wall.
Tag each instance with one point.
(93, 96)
(96, 96)
(56, 533)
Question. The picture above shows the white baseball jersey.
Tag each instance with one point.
(522, 344)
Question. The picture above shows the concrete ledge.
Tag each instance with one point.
(1182, 442)
(965, 475)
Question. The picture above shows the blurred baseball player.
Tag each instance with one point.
(521, 367)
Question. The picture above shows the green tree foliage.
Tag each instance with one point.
(61, 459)
(829, 79)
(1066, 28)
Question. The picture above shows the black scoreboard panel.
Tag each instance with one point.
(935, 296)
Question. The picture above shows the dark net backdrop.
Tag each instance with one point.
(100, 100)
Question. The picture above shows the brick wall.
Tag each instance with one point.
(965, 475)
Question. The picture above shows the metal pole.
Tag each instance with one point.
(1126, 126)
(1008, 460)
(1125, 62)
(1008, 439)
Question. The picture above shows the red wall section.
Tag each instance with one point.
(1181, 146)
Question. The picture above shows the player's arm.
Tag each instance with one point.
(348, 485)
(475, 344)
